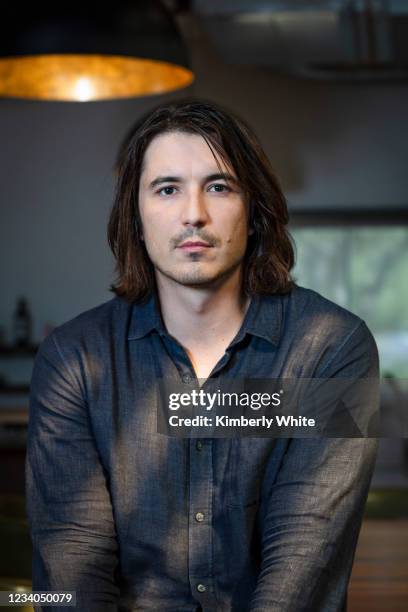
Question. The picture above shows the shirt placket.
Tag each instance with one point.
(201, 482)
(201, 571)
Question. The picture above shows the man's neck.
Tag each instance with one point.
(201, 317)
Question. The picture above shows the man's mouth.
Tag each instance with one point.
(194, 245)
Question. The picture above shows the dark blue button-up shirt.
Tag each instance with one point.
(134, 520)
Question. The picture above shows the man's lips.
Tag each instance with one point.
(194, 244)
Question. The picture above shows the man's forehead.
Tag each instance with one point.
(175, 153)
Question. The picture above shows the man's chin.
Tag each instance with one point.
(198, 278)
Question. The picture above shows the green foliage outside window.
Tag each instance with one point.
(365, 269)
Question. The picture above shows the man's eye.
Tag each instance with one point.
(219, 188)
(167, 191)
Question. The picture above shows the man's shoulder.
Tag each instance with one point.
(308, 308)
(317, 326)
(310, 318)
(94, 326)
(328, 337)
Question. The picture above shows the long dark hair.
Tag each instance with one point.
(269, 257)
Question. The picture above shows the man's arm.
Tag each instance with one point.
(68, 503)
(314, 513)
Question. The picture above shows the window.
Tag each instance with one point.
(365, 269)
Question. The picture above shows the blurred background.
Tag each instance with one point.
(324, 85)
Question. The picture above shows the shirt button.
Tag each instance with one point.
(199, 517)
(199, 445)
(201, 588)
(186, 378)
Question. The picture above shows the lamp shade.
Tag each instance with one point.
(87, 51)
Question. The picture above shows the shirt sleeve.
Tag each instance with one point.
(68, 502)
(313, 515)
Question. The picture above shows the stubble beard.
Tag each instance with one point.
(197, 276)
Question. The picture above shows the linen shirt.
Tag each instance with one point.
(132, 519)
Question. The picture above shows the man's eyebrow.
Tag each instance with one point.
(164, 179)
(225, 176)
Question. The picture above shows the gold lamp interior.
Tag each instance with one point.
(82, 78)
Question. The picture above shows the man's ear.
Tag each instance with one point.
(251, 231)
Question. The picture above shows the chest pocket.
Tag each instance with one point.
(248, 465)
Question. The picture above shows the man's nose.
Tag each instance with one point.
(194, 209)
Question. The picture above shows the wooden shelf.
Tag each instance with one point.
(14, 389)
(14, 416)
(9, 350)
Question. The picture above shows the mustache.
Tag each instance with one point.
(194, 235)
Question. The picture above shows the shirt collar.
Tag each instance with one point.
(145, 317)
(263, 319)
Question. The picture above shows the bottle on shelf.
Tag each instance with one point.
(22, 324)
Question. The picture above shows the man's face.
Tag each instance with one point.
(184, 200)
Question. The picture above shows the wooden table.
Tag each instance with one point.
(379, 581)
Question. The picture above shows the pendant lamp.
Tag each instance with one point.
(86, 51)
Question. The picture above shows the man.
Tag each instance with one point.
(134, 520)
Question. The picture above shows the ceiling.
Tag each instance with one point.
(320, 39)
